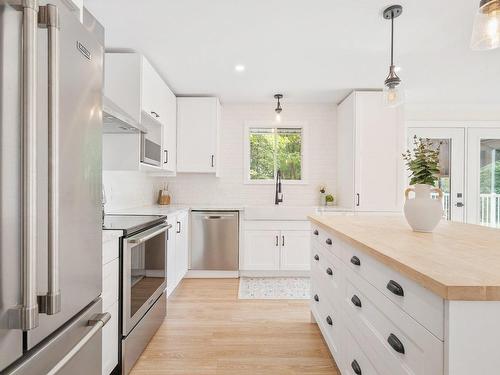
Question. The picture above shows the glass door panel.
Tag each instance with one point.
(484, 177)
(451, 163)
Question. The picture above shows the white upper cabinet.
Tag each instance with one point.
(197, 135)
(136, 87)
(370, 141)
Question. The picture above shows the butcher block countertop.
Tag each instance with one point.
(457, 261)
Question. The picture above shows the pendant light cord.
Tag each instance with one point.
(392, 38)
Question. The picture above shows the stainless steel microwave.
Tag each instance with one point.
(150, 151)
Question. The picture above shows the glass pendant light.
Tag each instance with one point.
(393, 88)
(486, 32)
(278, 107)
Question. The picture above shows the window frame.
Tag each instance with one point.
(270, 125)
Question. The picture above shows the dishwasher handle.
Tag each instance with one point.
(217, 217)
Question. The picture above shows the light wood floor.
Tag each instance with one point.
(209, 331)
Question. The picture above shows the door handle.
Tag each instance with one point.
(25, 316)
(50, 303)
(97, 322)
(166, 156)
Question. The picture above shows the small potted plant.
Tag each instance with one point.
(322, 195)
(422, 212)
(330, 199)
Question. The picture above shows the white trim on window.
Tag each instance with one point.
(271, 125)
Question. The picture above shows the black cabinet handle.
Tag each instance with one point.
(328, 241)
(355, 260)
(212, 161)
(166, 156)
(355, 367)
(178, 227)
(395, 288)
(155, 114)
(277, 241)
(357, 199)
(395, 343)
(316, 233)
(316, 298)
(316, 257)
(329, 321)
(282, 240)
(329, 271)
(356, 301)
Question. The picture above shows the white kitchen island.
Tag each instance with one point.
(391, 301)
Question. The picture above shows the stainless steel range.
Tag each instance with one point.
(143, 259)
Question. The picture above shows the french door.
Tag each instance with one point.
(483, 176)
(452, 166)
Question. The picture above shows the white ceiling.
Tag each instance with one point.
(309, 50)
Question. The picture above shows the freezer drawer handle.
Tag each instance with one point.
(50, 303)
(25, 316)
(97, 322)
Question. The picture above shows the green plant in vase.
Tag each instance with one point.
(423, 212)
(329, 199)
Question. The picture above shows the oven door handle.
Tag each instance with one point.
(148, 234)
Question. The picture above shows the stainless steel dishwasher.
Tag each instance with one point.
(214, 240)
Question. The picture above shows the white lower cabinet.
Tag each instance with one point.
(110, 295)
(369, 331)
(276, 246)
(177, 250)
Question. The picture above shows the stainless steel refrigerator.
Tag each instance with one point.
(51, 79)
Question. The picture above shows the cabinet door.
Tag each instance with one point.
(181, 246)
(171, 255)
(110, 341)
(262, 250)
(378, 163)
(295, 250)
(169, 130)
(197, 124)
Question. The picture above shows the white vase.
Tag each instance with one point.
(422, 212)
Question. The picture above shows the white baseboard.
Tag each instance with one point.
(199, 274)
(274, 273)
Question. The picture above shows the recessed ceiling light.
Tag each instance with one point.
(239, 68)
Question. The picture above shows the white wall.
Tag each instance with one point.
(127, 189)
(229, 189)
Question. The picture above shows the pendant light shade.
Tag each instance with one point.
(393, 88)
(486, 32)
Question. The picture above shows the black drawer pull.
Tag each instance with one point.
(328, 241)
(329, 321)
(356, 301)
(329, 271)
(355, 260)
(355, 367)
(316, 233)
(396, 344)
(395, 288)
(316, 257)
(316, 298)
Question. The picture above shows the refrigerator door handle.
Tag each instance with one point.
(96, 323)
(48, 17)
(25, 316)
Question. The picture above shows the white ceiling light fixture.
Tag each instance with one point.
(486, 31)
(393, 88)
(239, 68)
(278, 108)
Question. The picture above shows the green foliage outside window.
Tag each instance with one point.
(273, 149)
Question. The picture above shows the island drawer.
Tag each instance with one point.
(328, 272)
(327, 241)
(424, 306)
(355, 360)
(394, 342)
